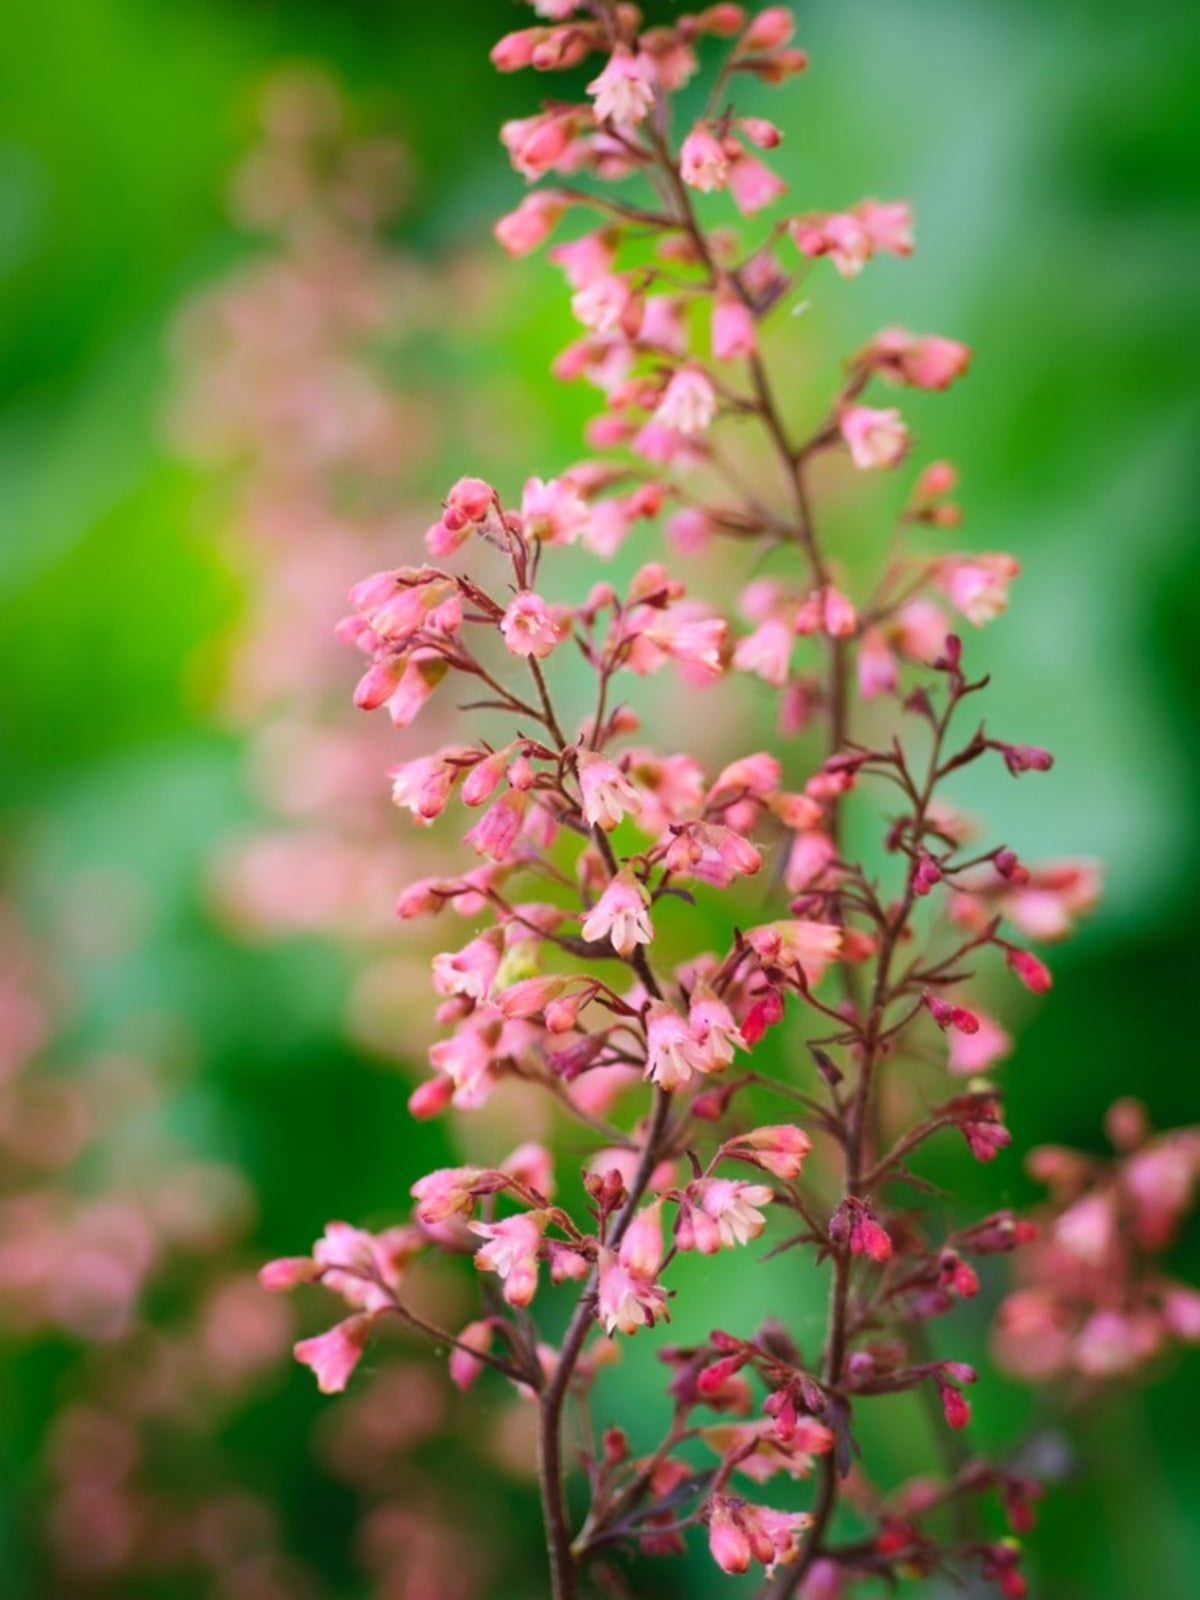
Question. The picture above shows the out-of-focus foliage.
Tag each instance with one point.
(1051, 155)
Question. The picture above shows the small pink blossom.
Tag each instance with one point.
(752, 183)
(288, 1272)
(585, 260)
(673, 1057)
(511, 1252)
(627, 1303)
(422, 673)
(877, 672)
(769, 28)
(333, 1356)
(711, 1025)
(889, 224)
(552, 511)
(689, 403)
(976, 1052)
(537, 216)
(536, 144)
(497, 831)
(780, 1149)
(621, 915)
(803, 945)
(767, 652)
(685, 635)
(734, 1207)
(531, 1164)
(641, 1250)
(809, 860)
(448, 1192)
(604, 305)
(977, 585)
(530, 627)
(466, 1364)
(838, 616)
(608, 794)
(624, 91)
(733, 329)
(876, 438)
(470, 971)
(1034, 974)
(703, 162)
(840, 236)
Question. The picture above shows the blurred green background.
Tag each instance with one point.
(1052, 155)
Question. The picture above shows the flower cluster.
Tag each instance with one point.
(583, 968)
(1095, 1302)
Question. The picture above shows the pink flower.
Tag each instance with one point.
(693, 640)
(711, 1025)
(333, 1356)
(672, 1055)
(840, 236)
(1087, 1230)
(421, 676)
(727, 1541)
(530, 996)
(838, 616)
(604, 305)
(920, 631)
(780, 1149)
(809, 859)
(529, 627)
(552, 511)
(877, 673)
(889, 224)
(1034, 974)
(664, 324)
(769, 29)
(472, 970)
(471, 1057)
(531, 1164)
(465, 1366)
(976, 1052)
(802, 946)
(751, 183)
(585, 260)
(853, 1226)
(641, 1250)
(733, 329)
(733, 1206)
(703, 163)
(621, 915)
(934, 363)
(423, 786)
(608, 794)
(288, 1272)
(537, 216)
(977, 585)
(739, 1532)
(395, 605)
(689, 403)
(536, 144)
(497, 831)
(511, 1252)
(876, 438)
(624, 90)
(767, 652)
(365, 1268)
(627, 1303)
(448, 1192)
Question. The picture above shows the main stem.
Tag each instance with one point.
(564, 1565)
